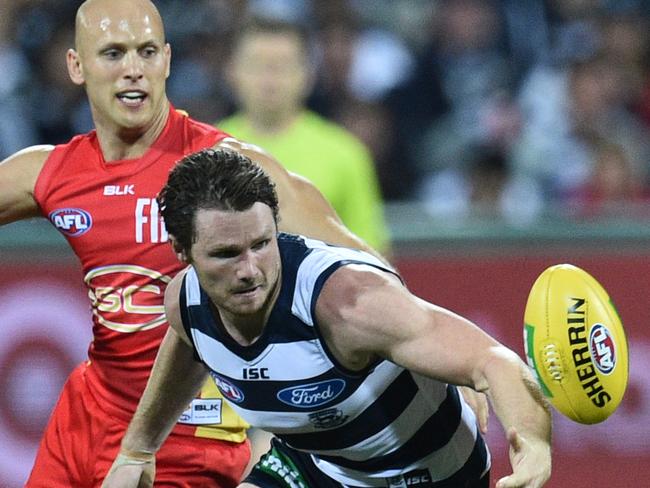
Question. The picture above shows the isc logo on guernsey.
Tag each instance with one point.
(71, 221)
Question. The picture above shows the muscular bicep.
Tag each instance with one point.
(18, 174)
(173, 308)
(367, 314)
(303, 208)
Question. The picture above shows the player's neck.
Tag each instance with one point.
(119, 143)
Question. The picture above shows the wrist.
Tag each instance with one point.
(135, 457)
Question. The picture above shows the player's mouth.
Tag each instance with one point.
(132, 98)
(248, 292)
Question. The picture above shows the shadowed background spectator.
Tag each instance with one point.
(422, 83)
(475, 111)
(16, 126)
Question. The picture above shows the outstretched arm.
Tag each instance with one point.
(175, 379)
(364, 313)
(18, 174)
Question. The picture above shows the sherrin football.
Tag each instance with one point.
(575, 343)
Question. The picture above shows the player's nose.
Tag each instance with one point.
(133, 66)
(247, 266)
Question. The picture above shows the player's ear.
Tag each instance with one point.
(75, 70)
(181, 255)
(167, 51)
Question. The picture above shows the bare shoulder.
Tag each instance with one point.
(172, 302)
(254, 153)
(349, 286)
(18, 175)
(246, 148)
(351, 309)
(289, 185)
(29, 159)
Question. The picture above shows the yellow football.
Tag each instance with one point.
(575, 343)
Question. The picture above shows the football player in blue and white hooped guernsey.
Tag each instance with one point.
(324, 347)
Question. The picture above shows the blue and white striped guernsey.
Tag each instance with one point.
(369, 428)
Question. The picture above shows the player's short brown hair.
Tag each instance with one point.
(212, 179)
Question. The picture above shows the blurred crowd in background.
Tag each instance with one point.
(508, 107)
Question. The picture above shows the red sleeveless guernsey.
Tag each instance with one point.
(108, 214)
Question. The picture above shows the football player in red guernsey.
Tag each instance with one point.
(99, 190)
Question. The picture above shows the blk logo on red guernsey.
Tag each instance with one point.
(119, 190)
(72, 222)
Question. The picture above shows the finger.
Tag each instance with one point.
(483, 414)
(514, 439)
(514, 481)
(147, 477)
(508, 482)
(479, 404)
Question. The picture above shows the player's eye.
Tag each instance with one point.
(149, 52)
(226, 254)
(261, 244)
(112, 54)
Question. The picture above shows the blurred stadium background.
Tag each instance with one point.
(508, 135)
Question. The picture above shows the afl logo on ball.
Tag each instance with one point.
(72, 222)
(602, 348)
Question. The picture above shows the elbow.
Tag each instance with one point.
(503, 370)
(498, 361)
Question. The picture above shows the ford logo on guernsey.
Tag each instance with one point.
(601, 346)
(228, 390)
(313, 394)
(72, 222)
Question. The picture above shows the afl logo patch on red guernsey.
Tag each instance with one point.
(603, 351)
(72, 222)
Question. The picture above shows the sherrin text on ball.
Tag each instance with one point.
(576, 344)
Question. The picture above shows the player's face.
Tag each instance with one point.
(124, 62)
(270, 73)
(236, 257)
